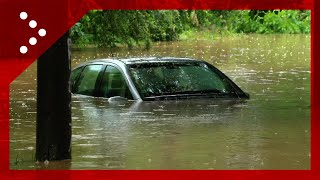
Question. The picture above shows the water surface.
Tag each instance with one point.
(270, 131)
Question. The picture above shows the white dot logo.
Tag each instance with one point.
(23, 49)
(33, 41)
(42, 32)
(23, 15)
(33, 23)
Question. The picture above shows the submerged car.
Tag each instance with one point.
(153, 78)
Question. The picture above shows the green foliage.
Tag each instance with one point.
(165, 25)
(80, 32)
(289, 21)
(120, 27)
(141, 28)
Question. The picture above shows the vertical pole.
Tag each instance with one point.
(53, 103)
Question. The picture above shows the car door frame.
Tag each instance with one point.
(134, 93)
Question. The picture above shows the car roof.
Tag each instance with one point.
(140, 60)
(155, 60)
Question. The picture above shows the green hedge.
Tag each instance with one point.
(141, 28)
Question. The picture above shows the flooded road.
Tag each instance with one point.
(270, 131)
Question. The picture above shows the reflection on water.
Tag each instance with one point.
(270, 131)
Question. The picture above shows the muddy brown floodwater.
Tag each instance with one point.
(269, 131)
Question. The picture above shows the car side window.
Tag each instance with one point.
(74, 76)
(87, 81)
(114, 84)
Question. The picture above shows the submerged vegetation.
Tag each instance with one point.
(141, 28)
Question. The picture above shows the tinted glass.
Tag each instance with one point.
(156, 79)
(87, 80)
(114, 84)
(74, 76)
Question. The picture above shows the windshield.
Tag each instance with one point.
(174, 78)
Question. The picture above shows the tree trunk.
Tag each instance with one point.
(54, 103)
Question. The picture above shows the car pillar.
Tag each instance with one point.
(53, 127)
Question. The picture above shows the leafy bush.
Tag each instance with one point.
(131, 28)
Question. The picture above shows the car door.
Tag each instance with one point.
(113, 83)
(88, 80)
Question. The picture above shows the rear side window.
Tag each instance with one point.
(114, 84)
(87, 81)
